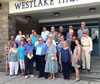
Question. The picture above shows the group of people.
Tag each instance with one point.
(52, 51)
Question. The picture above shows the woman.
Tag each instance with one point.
(13, 60)
(58, 38)
(21, 56)
(6, 51)
(76, 57)
(65, 57)
(51, 60)
(59, 46)
(87, 48)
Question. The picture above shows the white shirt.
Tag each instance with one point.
(87, 43)
(18, 38)
(44, 35)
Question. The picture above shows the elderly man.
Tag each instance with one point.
(70, 28)
(61, 30)
(87, 48)
(28, 58)
(41, 50)
(53, 33)
(44, 34)
(80, 31)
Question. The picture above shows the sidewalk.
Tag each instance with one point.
(21, 80)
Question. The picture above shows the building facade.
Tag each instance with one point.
(26, 15)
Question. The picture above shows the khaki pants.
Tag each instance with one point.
(86, 59)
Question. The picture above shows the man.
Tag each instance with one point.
(12, 39)
(41, 50)
(87, 48)
(32, 34)
(53, 33)
(28, 58)
(80, 31)
(61, 30)
(44, 34)
(69, 29)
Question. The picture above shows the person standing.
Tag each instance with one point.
(65, 57)
(21, 56)
(32, 34)
(13, 60)
(18, 37)
(80, 31)
(51, 60)
(6, 52)
(28, 58)
(44, 34)
(61, 30)
(53, 33)
(87, 48)
(69, 40)
(41, 50)
(70, 28)
(34, 38)
(76, 57)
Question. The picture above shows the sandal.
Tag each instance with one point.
(50, 77)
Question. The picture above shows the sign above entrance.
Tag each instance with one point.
(18, 6)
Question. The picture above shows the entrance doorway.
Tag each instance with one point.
(91, 24)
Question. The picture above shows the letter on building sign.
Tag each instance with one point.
(27, 4)
(31, 4)
(35, 3)
(51, 2)
(45, 2)
(72, 0)
(40, 3)
(23, 5)
(17, 5)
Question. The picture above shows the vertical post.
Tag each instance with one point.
(99, 37)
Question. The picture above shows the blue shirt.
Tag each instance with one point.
(21, 53)
(65, 55)
(34, 39)
(80, 33)
(67, 35)
(44, 48)
(28, 48)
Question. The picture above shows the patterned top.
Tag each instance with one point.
(7, 51)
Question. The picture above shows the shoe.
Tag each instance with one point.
(40, 76)
(77, 80)
(88, 70)
(16, 74)
(26, 77)
(31, 76)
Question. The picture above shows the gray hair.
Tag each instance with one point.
(50, 40)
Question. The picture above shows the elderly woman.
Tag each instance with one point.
(87, 48)
(51, 60)
(65, 57)
(70, 37)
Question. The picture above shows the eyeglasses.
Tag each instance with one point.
(39, 40)
(84, 33)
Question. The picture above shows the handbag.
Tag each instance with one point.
(53, 58)
(30, 56)
(79, 62)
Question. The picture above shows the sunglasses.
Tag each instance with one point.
(84, 33)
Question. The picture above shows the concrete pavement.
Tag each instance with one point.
(21, 80)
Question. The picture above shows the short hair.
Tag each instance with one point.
(50, 40)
